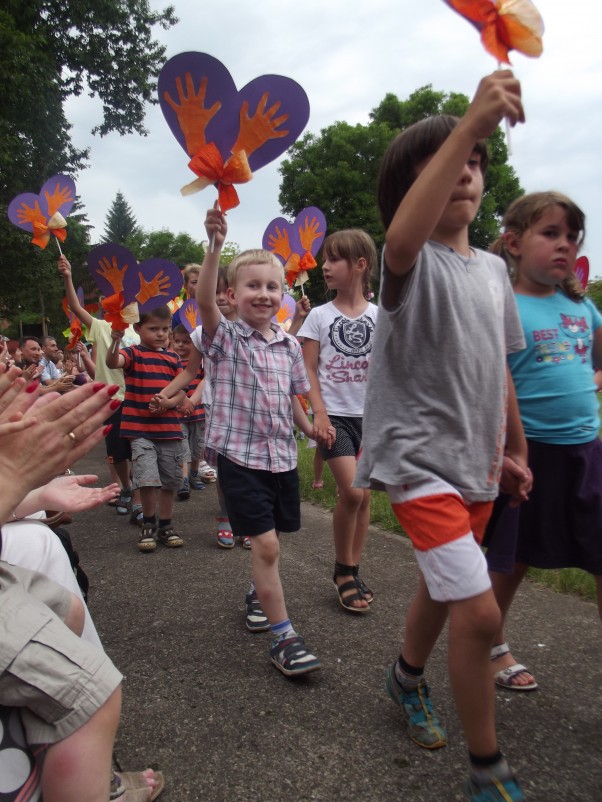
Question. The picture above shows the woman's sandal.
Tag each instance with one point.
(504, 677)
(131, 786)
(368, 594)
(346, 601)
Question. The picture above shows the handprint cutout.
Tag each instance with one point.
(110, 271)
(190, 315)
(203, 107)
(157, 286)
(296, 244)
(44, 214)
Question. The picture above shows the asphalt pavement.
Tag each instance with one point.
(203, 703)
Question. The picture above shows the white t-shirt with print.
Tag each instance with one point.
(345, 348)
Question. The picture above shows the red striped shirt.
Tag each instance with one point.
(146, 373)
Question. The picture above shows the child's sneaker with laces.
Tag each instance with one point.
(495, 790)
(169, 538)
(423, 725)
(148, 538)
(292, 657)
(257, 620)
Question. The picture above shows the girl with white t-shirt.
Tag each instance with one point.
(337, 342)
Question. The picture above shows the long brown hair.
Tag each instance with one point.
(353, 244)
(523, 213)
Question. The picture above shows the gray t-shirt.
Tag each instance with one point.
(436, 397)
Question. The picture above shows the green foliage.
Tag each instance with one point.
(594, 291)
(337, 171)
(50, 50)
(120, 223)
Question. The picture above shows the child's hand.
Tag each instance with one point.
(498, 95)
(64, 267)
(117, 335)
(323, 430)
(303, 307)
(157, 404)
(516, 479)
(216, 226)
(186, 408)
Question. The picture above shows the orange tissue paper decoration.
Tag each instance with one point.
(116, 314)
(208, 164)
(504, 25)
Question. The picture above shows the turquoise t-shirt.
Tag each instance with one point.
(553, 376)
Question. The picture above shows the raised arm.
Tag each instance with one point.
(497, 96)
(72, 299)
(216, 227)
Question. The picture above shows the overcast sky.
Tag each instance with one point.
(347, 56)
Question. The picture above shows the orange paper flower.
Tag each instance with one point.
(297, 265)
(504, 25)
(116, 314)
(211, 169)
(42, 230)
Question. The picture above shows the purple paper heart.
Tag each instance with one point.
(57, 195)
(151, 283)
(280, 231)
(190, 315)
(207, 82)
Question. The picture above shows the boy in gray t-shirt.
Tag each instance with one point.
(439, 394)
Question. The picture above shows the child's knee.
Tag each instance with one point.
(479, 616)
(266, 547)
(75, 617)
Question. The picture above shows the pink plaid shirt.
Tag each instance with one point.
(252, 381)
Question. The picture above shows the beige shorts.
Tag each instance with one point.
(157, 463)
(57, 679)
(194, 434)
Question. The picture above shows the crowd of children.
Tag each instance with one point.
(517, 412)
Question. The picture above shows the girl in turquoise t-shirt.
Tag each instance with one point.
(560, 525)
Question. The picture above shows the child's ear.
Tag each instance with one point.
(230, 295)
(361, 263)
(511, 242)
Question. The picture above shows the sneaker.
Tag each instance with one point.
(148, 538)
(423, 725)
(184, 492)
(225, 539)
(124, 501)
(196, 483)
(292, 657)
(169, 538)
(245, 542)
(136, 516)
(257, 620)
(506, 790)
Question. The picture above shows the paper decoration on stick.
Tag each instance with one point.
(504, 25)
(131, 288)
(44, 215)
(228, 133)
(190, 315)
(284, 316)
(582, 270)
(74, 332)
(296, 244)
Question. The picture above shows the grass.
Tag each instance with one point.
(564, 580)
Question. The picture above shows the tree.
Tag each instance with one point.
(338, 170)
(49, 51)
(120, 223)
(594, 291)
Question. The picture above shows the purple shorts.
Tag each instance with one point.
(561, 524)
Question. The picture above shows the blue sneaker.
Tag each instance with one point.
(496, 790)
(423, 725)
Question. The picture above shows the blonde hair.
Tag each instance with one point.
(523, 213)
(190, 270)
(353, 244)
(254, 256)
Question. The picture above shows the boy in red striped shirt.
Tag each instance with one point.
(154, 428)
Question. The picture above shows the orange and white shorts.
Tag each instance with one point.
(446, 532)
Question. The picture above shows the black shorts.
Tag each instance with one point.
(259, 501)
(349, 438)
(560, 526)
(119, 448)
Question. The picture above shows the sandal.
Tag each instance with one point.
(124, 501)
(225, 538)
(206, 473)
(169, 538)
(346, 587)
(504, 678)
(131, 786)
(368, 594)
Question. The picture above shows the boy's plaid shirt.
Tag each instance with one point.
(253, 380)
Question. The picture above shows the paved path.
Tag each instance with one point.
(203, 703)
